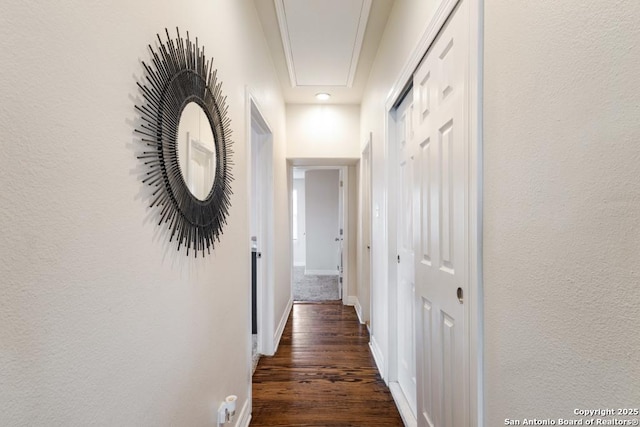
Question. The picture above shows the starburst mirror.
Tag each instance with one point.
(187, 136)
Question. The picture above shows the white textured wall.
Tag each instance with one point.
(323, 131)
(561, 207)
(321, 210)
(405, 26)
(101, 322)
(282, 233)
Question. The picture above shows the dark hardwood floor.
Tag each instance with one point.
(322, 375)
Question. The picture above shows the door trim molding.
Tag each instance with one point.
(476, 297)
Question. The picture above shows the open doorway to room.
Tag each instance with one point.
(318, 233)
(260, 155)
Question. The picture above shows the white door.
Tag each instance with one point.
(442, 263)
(405, 244)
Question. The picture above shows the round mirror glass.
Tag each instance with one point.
(196, 151)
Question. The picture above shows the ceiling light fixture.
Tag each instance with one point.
(323, 96)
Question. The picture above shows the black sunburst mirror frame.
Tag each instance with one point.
(178, 75)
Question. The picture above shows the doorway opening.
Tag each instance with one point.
(260, 157)
(318, 232)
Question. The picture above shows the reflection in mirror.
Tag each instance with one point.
(196, 151)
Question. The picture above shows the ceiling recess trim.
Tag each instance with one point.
(284, 34)
(362, 26)
(286, 44)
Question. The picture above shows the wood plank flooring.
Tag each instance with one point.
(322, 375)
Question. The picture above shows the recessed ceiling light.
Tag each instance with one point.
(323, 96)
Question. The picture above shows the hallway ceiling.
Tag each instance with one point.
(323, 45)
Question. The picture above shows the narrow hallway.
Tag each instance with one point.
(323, 374)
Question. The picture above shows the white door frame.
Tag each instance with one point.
(312, 164)
(474, 110)
(265, 294)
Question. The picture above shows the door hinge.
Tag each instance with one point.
(398, 259)
(341, 184)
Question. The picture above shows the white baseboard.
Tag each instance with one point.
(321, 272)
(245, 415)
(403, 406)
(351, 300)
(283, 322)
(358, 308)
(377, 357)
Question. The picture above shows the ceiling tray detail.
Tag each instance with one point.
(322, 39)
